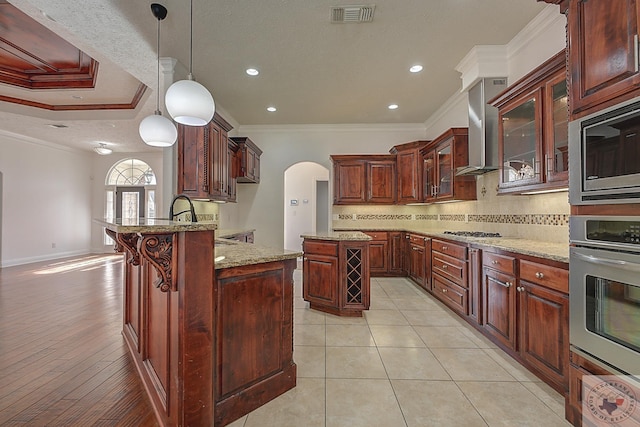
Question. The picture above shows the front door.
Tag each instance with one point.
(130, 203)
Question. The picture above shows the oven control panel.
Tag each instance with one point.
(613, 231)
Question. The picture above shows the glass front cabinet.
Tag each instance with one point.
(533, 129)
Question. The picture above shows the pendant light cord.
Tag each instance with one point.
(191, 42)
(158, 72)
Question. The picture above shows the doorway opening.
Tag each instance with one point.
(306, 202)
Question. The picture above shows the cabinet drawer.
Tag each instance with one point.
(377, 235)
(452, 249)
(449, 267)
(451, 294)
(502, 263)
(417, 239)
(320, 248)
(545, 275)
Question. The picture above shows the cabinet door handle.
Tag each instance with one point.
(539, 275)
(501, 283)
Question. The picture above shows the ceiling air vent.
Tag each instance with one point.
(349, 14)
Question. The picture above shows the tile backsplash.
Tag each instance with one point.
(542, 217)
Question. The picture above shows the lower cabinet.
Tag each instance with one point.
(418, 262)
(396, 253)
(527, 312)
(335, 276)
(449, 274)
(378, 253)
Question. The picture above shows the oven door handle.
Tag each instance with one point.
(609, 262)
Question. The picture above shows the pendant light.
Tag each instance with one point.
(157, 130)
(187, 101)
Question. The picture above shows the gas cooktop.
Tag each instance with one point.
(473, 233)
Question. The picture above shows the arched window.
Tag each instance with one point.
(131, 172)
(130, 192)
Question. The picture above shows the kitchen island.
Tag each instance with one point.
(336, 272)
(210, 340)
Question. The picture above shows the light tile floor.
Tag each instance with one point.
(408, 362)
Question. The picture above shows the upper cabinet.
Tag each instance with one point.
(205, 161)
(409, 164)
(533, 130)
(440, 158)
(249, 160)
(364, 179)
(603, 53)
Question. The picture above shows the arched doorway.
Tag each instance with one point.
(306, 202)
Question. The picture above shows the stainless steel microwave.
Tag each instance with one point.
(604, 156)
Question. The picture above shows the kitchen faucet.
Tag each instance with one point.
(193, 211)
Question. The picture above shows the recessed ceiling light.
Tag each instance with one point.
(272, 109)
(252, 71)
(393, 106)
(416, 68)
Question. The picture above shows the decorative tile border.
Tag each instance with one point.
(525, 219)
(423, 217)
(379, 217)
(201, 217)
(453, 217)
(530, 219)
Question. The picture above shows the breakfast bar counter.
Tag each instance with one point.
(208, 322)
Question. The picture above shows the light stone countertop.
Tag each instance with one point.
(337, 235)
(154, 225)
(225, 233)
(545, 250)
(230, 253)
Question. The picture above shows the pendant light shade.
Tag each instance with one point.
(156, 130)
(187, 101)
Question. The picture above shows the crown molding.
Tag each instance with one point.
(356, 127)
(548, 18)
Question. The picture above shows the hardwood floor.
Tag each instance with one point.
(63, 361)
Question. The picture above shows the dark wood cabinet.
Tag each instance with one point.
(409, 164)
(205, 163)
(419, 259)
(499, 297)
(396, 253)
(603, 53)
(232, 168)
(475, 285)
(544, 320)
(449, 274)
(533, 130)
(335, 276)
(378, 253)
(248, 160)
(440, 158)
(364, 179)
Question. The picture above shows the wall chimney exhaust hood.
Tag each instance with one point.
(483, 127)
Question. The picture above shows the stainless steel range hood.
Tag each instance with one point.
(483, 127)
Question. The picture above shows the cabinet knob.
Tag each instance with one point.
(444, 267)
(520, 288)
(494, 262)
(539, 275)
(444, 290)
(444, 248)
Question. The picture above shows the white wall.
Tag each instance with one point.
(46, 200)
(261, 206)
(300, 185)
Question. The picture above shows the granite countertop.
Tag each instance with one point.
(546, 250)
(230, 253)
(155, 225)
(229, 232)
(337, 235)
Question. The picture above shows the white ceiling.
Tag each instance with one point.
(313, 71)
